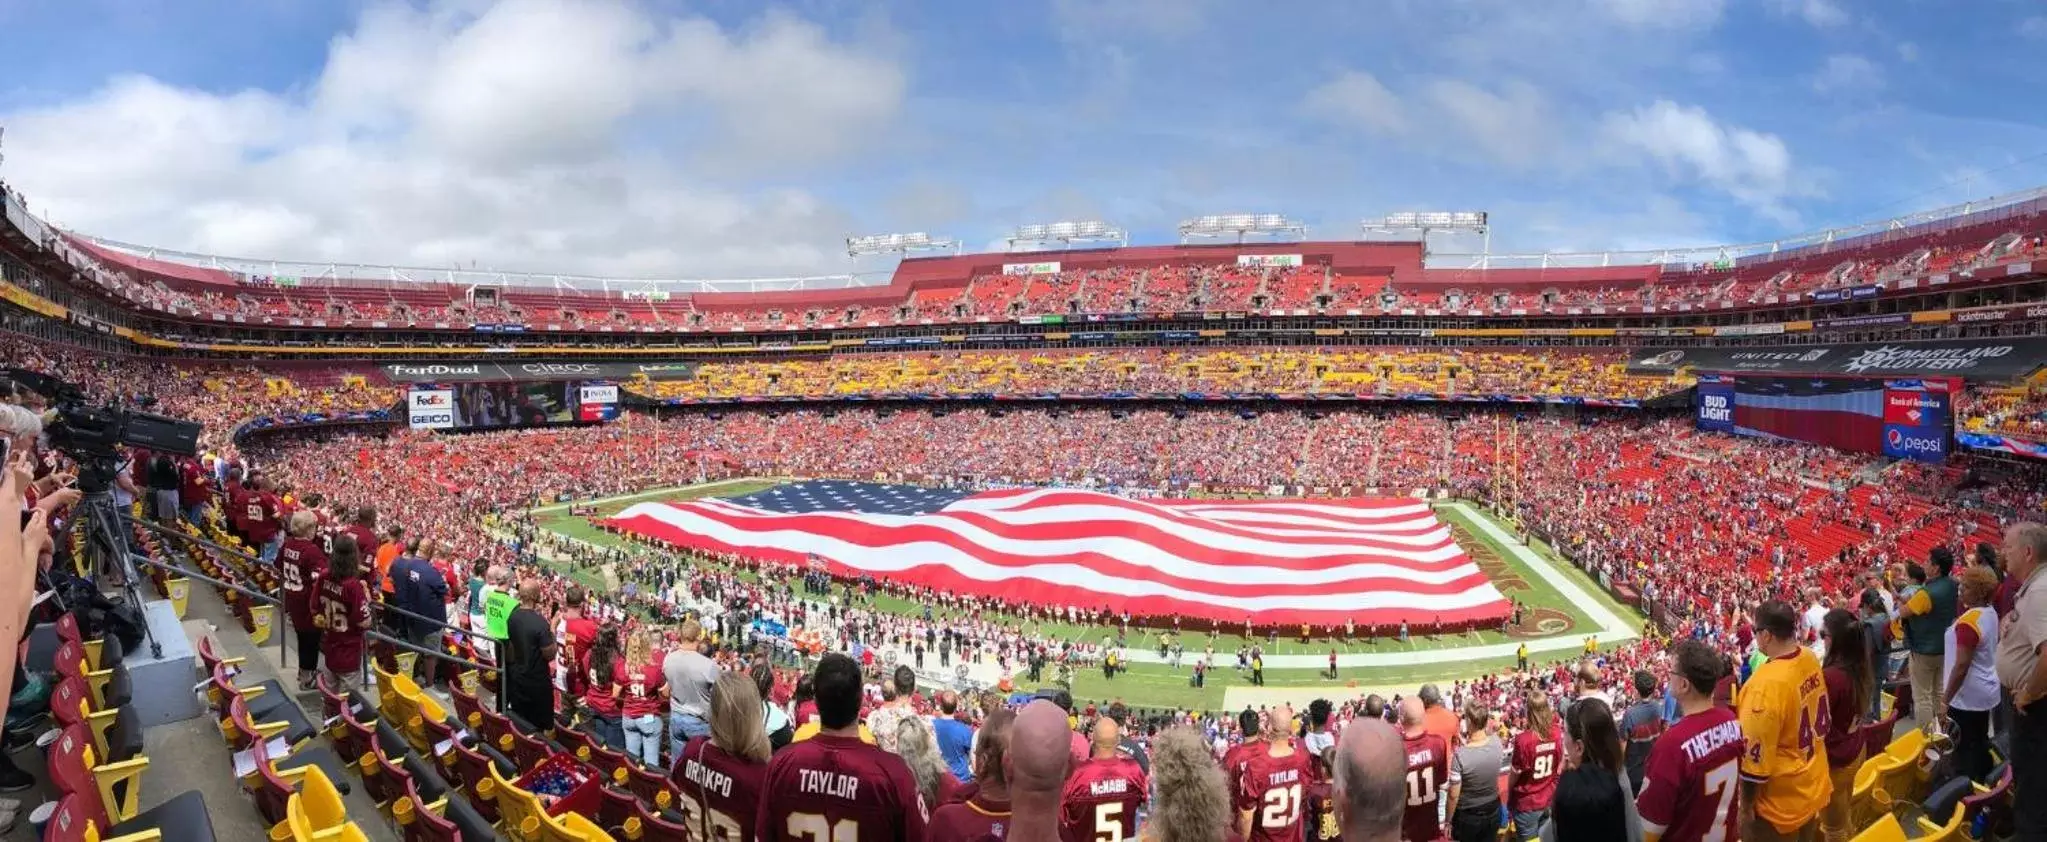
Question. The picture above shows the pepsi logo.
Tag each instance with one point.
(1896, 438)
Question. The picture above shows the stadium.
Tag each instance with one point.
(432, 542)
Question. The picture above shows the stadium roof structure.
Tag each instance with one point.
(1408, 254)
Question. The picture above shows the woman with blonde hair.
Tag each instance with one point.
(736, 751)
(916, 745)
(646, 699)
(1188, 801)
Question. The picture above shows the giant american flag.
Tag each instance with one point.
(1377, 562)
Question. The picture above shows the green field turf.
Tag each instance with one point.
(1160, 685)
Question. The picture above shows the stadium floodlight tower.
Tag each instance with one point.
(1030, 237)
(903, 244)
(1427, 222)
(1273, 226)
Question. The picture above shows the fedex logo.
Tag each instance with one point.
(428, 399)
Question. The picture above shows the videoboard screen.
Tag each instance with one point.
(477, 406)
(1899, 418)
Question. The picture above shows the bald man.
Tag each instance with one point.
(529, 660)
(1428, 774)
(1104, 794)
(1272, 798)
(1039, 755)
(1370, 794)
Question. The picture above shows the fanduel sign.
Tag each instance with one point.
(496, 371)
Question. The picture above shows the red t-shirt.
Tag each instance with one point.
(346, 605)
(643, 690)
(1274, 789)
(1692, 783)
(300, 564)
(1537, 762)
(602, 692)
(1428, 773)
(721, 793)
(1322, 812)
(192, 485)
(1101, 796)
(839, 789)
(973, 820)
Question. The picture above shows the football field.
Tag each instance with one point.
(1562, 605)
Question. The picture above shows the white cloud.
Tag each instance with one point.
(1846, 73)
(1513, 126)
(1753, 167)
(581, 136)
(1664, 14)
(1822, 14)
(2034, 27)
(1358, 100)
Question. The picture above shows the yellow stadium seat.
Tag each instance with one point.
(315, 811)
(1862, 806)
(1886, 829)
(1951, 832)
(519, 812)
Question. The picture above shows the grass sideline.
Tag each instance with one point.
(1161, 685)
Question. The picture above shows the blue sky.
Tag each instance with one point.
(728, 139)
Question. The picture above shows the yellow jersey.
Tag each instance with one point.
(1783, 711)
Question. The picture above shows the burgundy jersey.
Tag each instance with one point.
(1322, 813)
(1428, 774)
(1275, 790)
(1537, 761)
(365, 539)
(721, 794)
(840, 789)
(1101, 800)
(300, 564)
(261, 515)
(1691, 787)
(973, 820)
(1233, 764)
(346, 607)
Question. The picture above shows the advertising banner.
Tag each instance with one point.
(478, 372)
(1917, 419)
(1975, 359)
(1046, 267)
(1714, 402)
(1864, 321)
(1269, 260)
(430, 409)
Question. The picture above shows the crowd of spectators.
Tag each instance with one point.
(1373, 371)
(2008, 410)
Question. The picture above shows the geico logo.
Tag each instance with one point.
(432, 418)
(558, 368)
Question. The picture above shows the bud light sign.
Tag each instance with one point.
(1715, 403)
(1917, 419)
